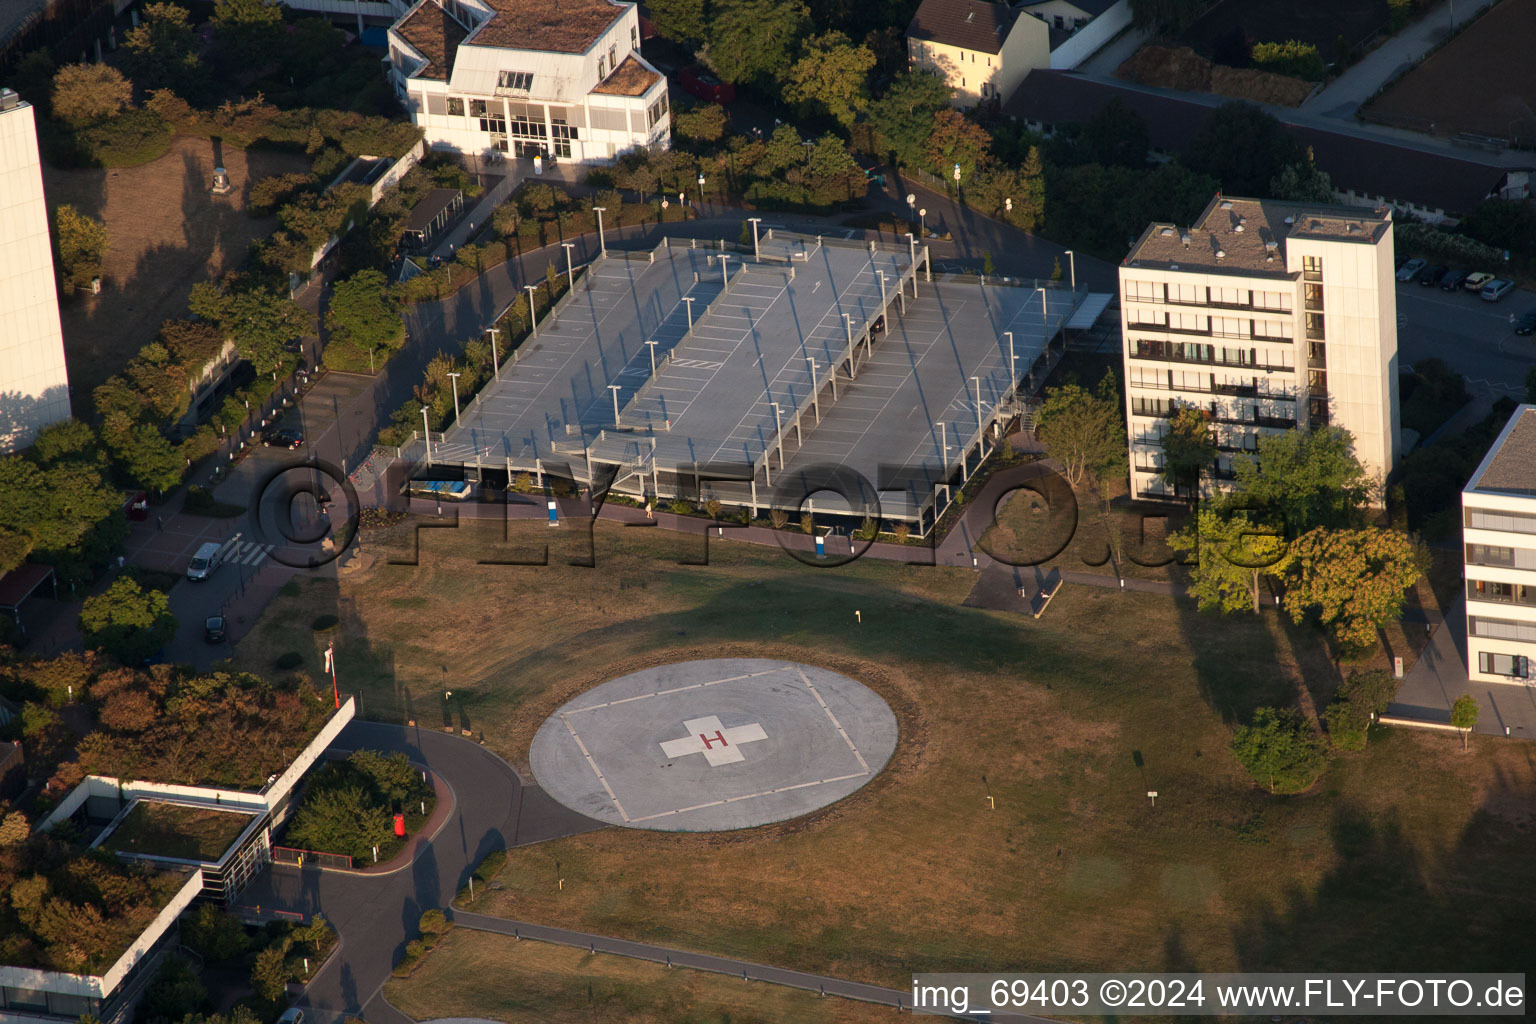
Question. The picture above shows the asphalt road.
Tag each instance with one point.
(376, 914)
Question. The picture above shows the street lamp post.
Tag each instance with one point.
(1072, 263)
(602, 246)
(426, 425)
(701, 188)
(922, 222)
(651, 344)
(912, 245)
(778, 430)
(615, 388)
(725, 274)
(1045, 320)
(495, 356)
(815, 402)
(570, 267)
(755, 221)
(809, 145)
(533, 308)
(1013, 362)
(455, 378)
(689, 300)
(977, 381)
(848, 330)
(911, 206)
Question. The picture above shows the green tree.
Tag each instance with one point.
(148, 457)
(1279, 749)
(1361, 697)
(1231, 554)
(1464, 716)
(175, 993)
(1354, 579)
(81, 241)
(903, 117)
(1169, 16)
(270, 973)
(1188, 449)
(250, 29)
(86, 93)
(831, 78)
(214, 934)
(681, 21)
(832, 174)
(703, 123)
(363, 314)
(391, 775)
(1116, 136)
(1502, 223)
(1082, 430)
(1302, 182)
(341, 819)
(161, 53)
(1242, 147)
(753, 39)
(1009, 193)
(1308, 478)
(783, 150)
(127, 622)
(955, 139)
(32, 78)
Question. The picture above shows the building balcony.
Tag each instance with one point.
(1173, 356)
(1519, 594)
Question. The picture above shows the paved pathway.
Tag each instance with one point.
(1344, 95)
(1439, 676)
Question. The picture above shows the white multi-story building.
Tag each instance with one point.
(1267, 316)
(558, 79)
(34, 382)
(1498, 508)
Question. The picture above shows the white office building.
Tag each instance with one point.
(34, 382)
(1498, 508)
(557, 79)
(1266, 316)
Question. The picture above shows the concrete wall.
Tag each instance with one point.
(34, 382)
(1087, 41)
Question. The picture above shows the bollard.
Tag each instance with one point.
(858, 616)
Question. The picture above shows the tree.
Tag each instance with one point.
(213, 934)
(1354, 579)
(1360, 698)
(391, 775)
(341, 819)
(1009, 193)
(830, 78)
(1116, 136)
(1232, 553)
(1292, 57)
(704, 123)
(1464, 716)
(175, 993)
(1530, 385)
(1242, 147)
(82, 244)
(831, 173)
(269, 973)
(162, 51)
(1188, 449)
(1302, 182)
(955, 139)
(753, 39)
(903, 117)
(127, 622)
(1082, 430)
(86, 93)
(1171, 16)
(249, 29)
(14, 829)
(1308, 478)
(148, 457)
(1503, 224)
(32, 78)
(1279, 749)
(362, 313)
(681, 21)
(783, 150)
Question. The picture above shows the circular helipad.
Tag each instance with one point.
(705, 746)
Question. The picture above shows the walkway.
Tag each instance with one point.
(1440, 676)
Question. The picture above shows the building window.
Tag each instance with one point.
(634, 38)
(518, 81)
(657, 111)
(455, 106)
(602, 68)
(562, 134)
(1502, 629)
(1143, 291)
(1312, 268)
(1513, 665)
(477, 108)
(1315, 327)
(613, 56)
(523, 128)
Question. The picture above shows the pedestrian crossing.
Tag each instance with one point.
(238, 552)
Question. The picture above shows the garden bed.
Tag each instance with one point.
(155, 828)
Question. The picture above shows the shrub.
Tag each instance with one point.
(324, 623)
(433, 922)
(1443, 245)
(807, 523)
(681, 507)
(87, 93)
(288, 660)
(714, 508)
(129, 139)
(901, 532)
(778, 517)
(276, 191)
(1279, 749)
(1292, 57)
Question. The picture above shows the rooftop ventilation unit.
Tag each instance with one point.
(1316, 225)
(8, 99)
(1272, 245)
(1185, 239)
(1226, 204)
(1239, 229)
(1166, 232)
(1221, 254)
(1290, 220)
(1270, 258)
(1353, 229)
(970, 16)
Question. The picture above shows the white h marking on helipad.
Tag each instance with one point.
(718, 745)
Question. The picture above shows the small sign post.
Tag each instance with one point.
(1152, 795)
(554, 513)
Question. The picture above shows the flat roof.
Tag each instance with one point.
(431, 207)
(630, 78)
(711, 400)
(1510, 465)
(558, 26)
(175, 829)
(1248, 236)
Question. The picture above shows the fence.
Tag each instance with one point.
(295, 856)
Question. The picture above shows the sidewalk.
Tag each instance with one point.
(1440, 676)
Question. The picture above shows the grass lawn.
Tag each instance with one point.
(482, 974)
(177, 830)
(1067, 722)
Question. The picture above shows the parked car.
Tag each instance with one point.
(1475, 282)
(1526, 324)
(290, 439)
(1432, 276)
(292, 1015)
(698, 81)
(1410, 270)
(1495, 290)
(1452, 280)
(136, 506)
(213, 629)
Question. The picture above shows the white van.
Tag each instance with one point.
(204, 562)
